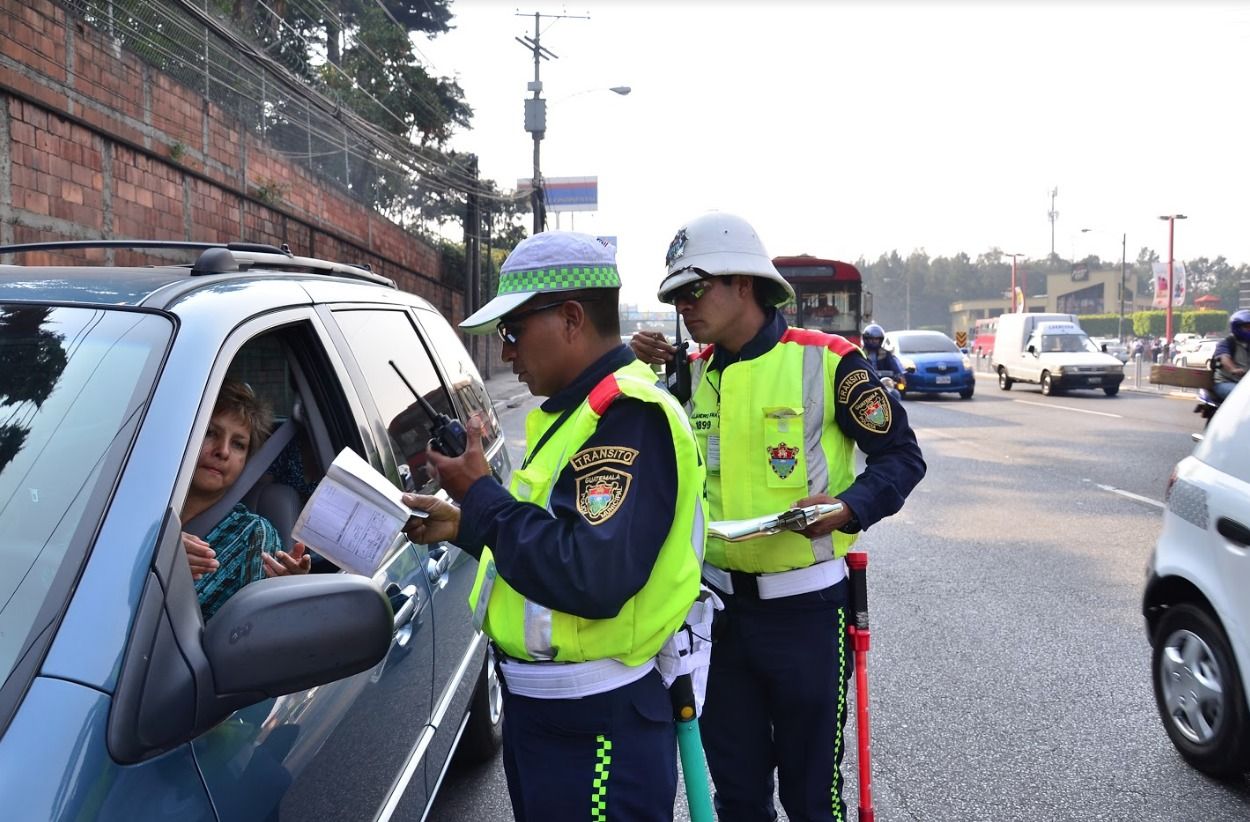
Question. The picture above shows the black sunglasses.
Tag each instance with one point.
(691, 293)
(509, 332)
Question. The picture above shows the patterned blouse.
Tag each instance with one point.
(238, 540)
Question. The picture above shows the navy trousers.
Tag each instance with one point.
(777, 698)
(610, 756)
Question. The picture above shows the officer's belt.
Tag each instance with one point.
(569, 680)
(775, 586)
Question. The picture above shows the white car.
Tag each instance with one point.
(1112, 346)
(1196, 355)
(1196, 607)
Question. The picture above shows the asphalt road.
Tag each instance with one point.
(1009, 667)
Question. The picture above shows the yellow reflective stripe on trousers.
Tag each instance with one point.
(813, 430)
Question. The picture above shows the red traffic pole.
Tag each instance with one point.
(857, 562)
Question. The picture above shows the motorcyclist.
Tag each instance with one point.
(886, 364)
(1232, 355)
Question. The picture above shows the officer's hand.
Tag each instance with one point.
(830, 523)
(443, 522)
(457, 473)
(651, 347)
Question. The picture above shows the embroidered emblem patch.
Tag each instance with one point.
(872, 411)
(676, 248)
(601, 493)
(782, 459)
(858, 377)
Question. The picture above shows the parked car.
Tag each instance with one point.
(1196, 356)
(1112, 346)
(933, 363)
(326, 696)
(1195, 604)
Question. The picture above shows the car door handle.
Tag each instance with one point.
(1233, 531)
(406, 600)
(437, 563)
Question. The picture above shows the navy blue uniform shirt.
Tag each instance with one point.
(559, 559)
(894, 464)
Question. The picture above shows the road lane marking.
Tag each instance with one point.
(1131, 495)
(1070, 408)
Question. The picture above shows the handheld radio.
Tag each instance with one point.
(677, 370)
(447, 435)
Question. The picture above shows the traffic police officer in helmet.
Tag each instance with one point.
(778, 412)
(589, 562)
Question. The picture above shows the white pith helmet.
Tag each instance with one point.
(718, 244)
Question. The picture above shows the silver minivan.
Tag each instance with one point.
(325, 696)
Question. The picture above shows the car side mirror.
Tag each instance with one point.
(911, 369)
(287, 634)
(1104, 348)
(963, 350)
(1032, 350)
(180, 677)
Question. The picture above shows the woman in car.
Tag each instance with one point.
(243, 547)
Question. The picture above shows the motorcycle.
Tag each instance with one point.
(1208, 404)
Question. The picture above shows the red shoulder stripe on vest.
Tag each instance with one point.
(705, 354)
(838, 345)
(603, 394)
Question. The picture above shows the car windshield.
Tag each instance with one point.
(925, 343)
(73, 384)
(1067, 344)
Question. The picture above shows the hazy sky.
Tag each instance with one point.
(843, 129)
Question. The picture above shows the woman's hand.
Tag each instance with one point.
(282, 564)
(443, 522)
(201, 558)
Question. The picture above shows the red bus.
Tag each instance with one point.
(829, 296)
(983, 332)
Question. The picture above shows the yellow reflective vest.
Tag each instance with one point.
(527, 630)
(766, 428)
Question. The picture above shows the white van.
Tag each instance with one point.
(1053, 351)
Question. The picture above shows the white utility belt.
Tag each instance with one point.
(785, 583)
(569, 680)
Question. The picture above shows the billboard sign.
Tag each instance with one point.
(567, 193)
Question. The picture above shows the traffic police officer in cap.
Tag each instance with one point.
(777, 412)
(589, 562)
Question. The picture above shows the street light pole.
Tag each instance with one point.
(1012, 301)
(1124, 266)
(1123, 269)
(1167, 343)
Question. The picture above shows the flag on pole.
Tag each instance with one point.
(1160, 271)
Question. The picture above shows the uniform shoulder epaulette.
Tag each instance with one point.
(603, 394)
(838, 345)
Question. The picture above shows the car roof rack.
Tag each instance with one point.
(220, 258)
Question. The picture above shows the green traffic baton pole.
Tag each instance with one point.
(690, 746)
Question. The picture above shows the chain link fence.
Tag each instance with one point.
(255, 94)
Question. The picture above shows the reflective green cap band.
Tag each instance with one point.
(569, 278)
